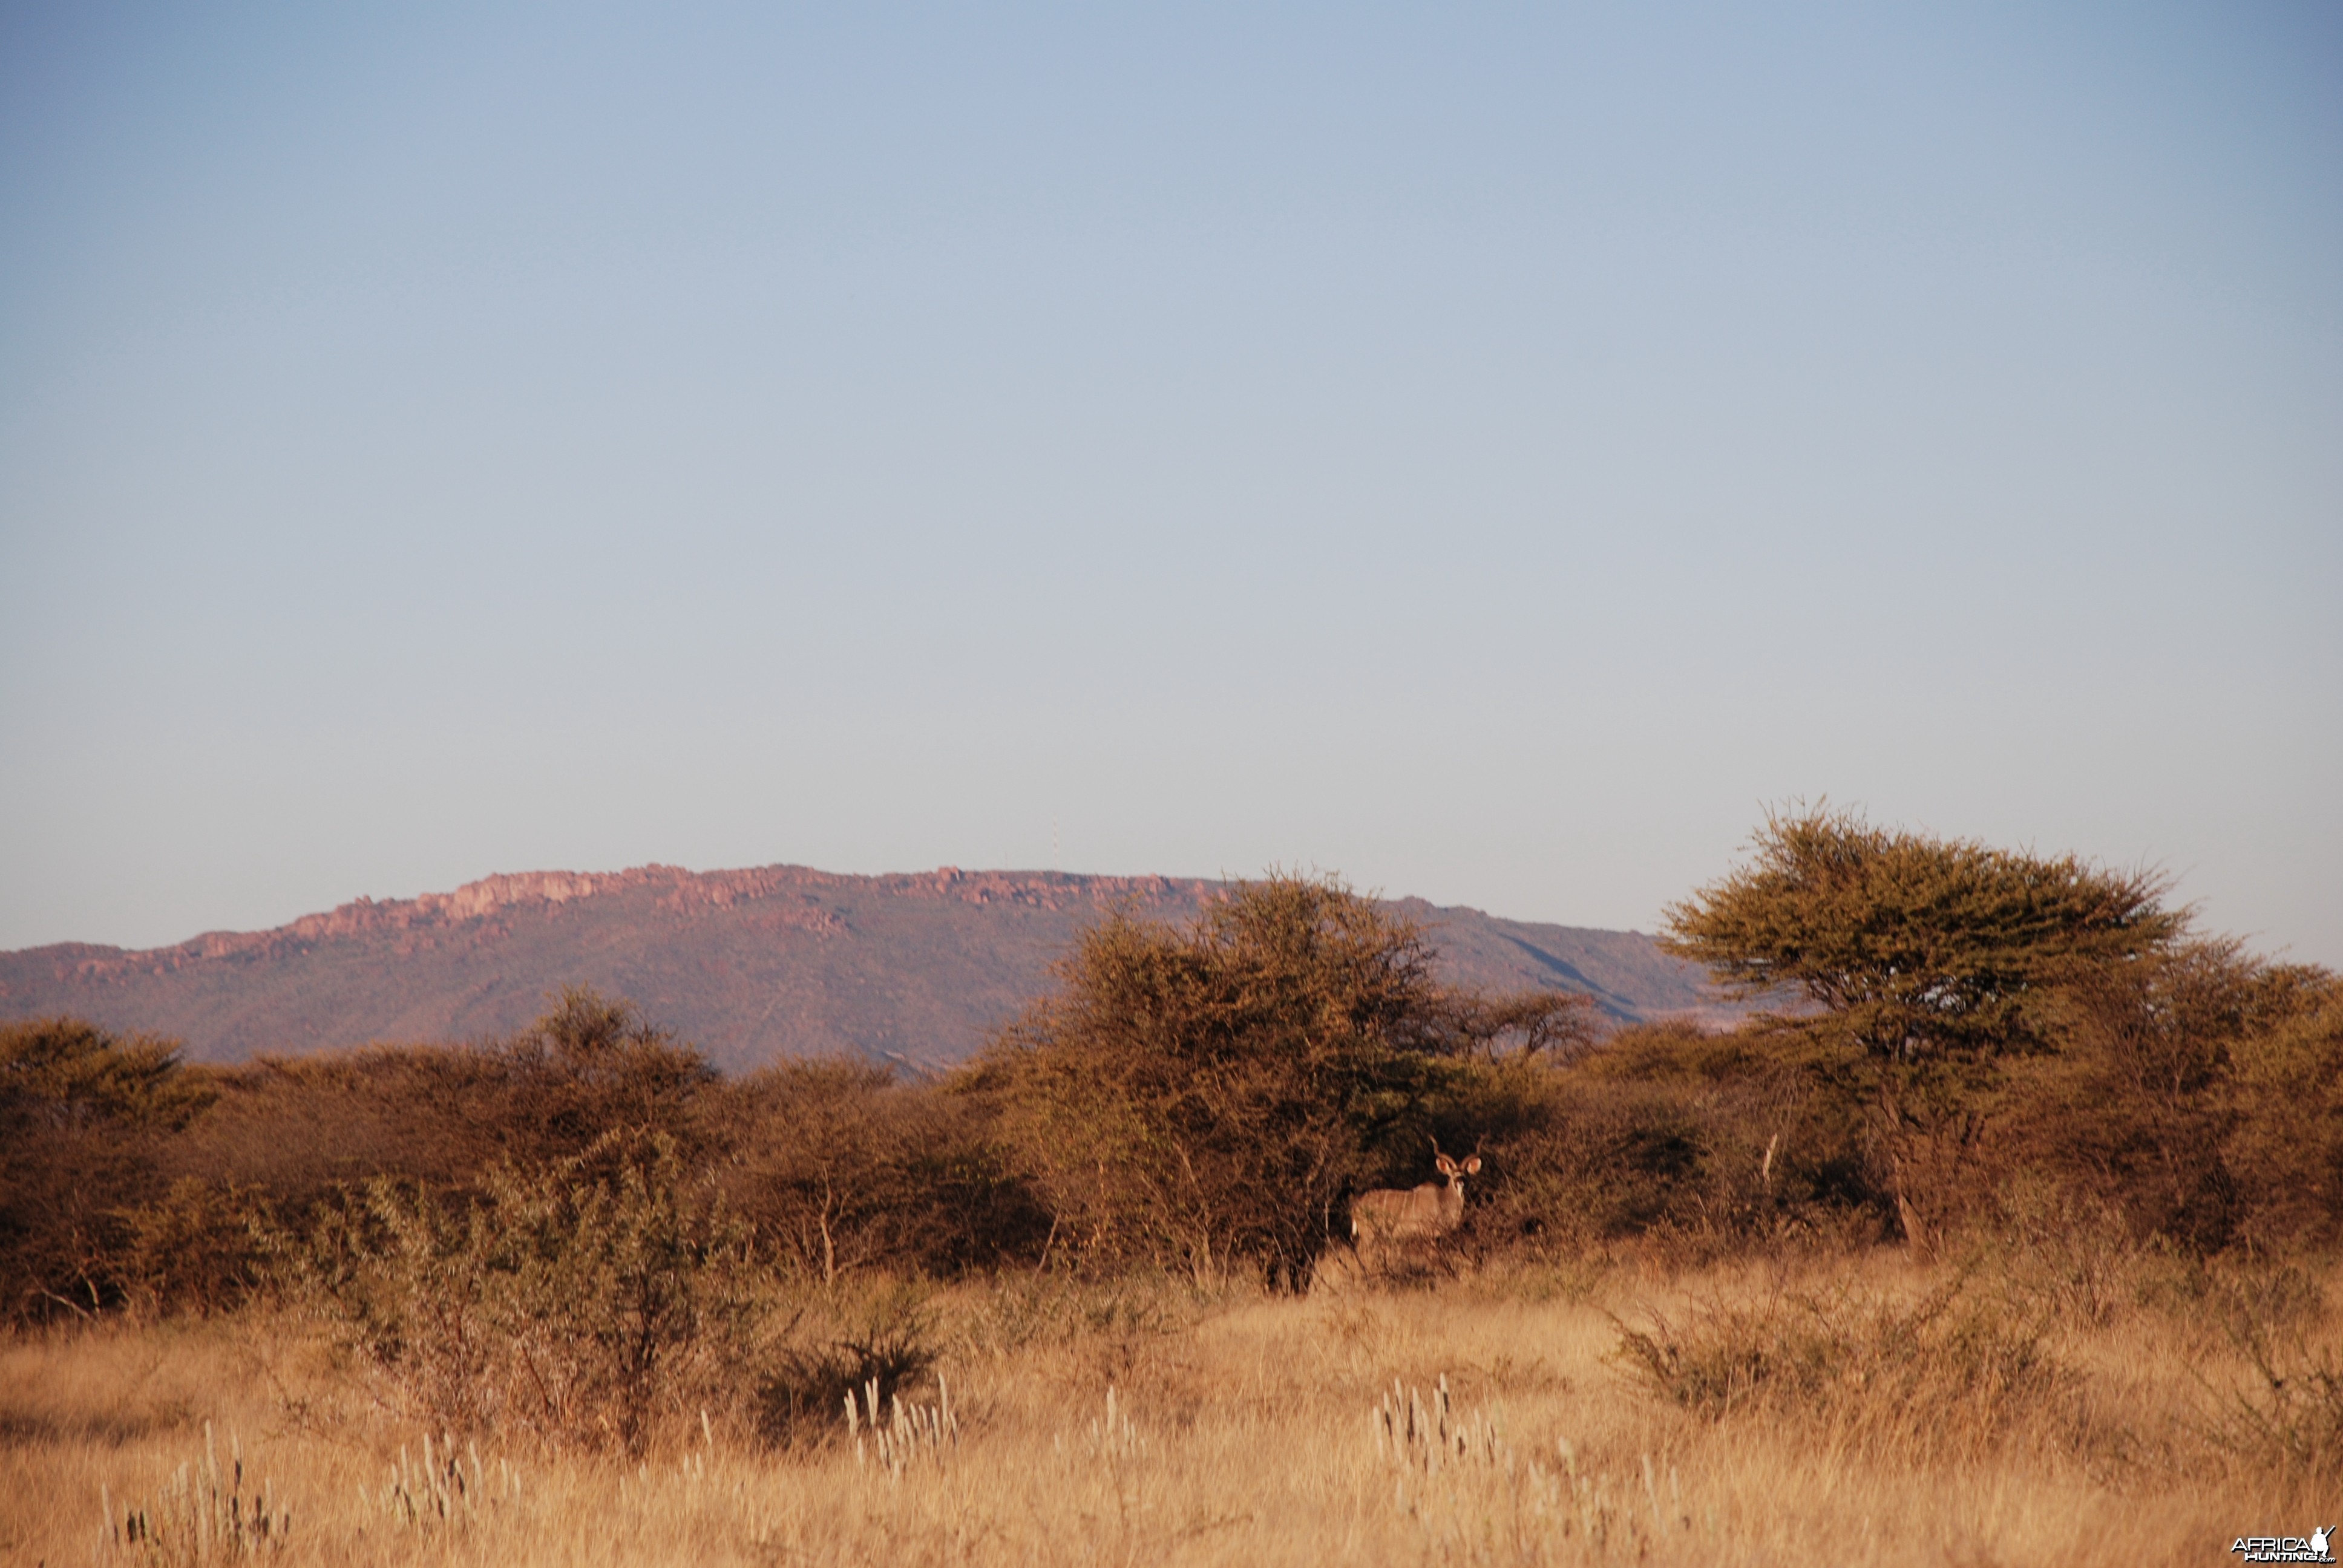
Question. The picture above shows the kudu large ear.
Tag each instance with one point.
(1447, 1167)
(1471, 1166)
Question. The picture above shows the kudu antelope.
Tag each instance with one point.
(1422, 1213)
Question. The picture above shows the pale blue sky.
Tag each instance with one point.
(1488, 452)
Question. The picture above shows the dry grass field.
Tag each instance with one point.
(1859, 1409)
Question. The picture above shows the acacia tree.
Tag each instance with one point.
(1919, 961)
(1213, 1093)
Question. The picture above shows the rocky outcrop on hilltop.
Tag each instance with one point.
(678, 891)
(751, 965)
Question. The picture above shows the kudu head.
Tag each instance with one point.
(1454, 1169)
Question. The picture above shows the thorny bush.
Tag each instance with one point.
(581, 1302)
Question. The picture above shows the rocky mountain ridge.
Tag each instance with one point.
(750, 964)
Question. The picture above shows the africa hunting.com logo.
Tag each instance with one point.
(2312, 1548)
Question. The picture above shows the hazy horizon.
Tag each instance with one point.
(1490, 456)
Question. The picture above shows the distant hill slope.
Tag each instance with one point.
(750, 965)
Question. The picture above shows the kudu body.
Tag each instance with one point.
(1417, 1214)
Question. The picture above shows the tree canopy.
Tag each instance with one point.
(1914, 947)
